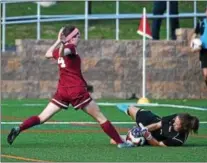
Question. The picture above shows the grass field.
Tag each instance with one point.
(86, 142)
(98, 29)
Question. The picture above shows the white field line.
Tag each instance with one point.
(157, 105)
(65, 123)
(114, 104)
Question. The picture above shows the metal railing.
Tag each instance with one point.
(38, 18)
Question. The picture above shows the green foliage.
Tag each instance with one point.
(98, 29)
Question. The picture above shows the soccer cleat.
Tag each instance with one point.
(123, 107)
(125, 145)
(13, 134)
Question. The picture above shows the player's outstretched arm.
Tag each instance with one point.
(154, 142)
(148, 136)
(49, 53)
(154, 126)
(61, 50)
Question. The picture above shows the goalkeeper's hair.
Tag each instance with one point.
(189, 123)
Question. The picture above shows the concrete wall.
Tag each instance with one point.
(114, 68)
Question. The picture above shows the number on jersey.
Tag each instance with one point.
(61, 62)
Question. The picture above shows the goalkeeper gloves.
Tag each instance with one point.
(145, 133)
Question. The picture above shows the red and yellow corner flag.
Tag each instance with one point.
(140, 29)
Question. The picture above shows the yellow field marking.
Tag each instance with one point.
(22, 158)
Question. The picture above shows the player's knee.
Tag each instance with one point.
(100, 118)
(132, 111)
(93, 110)
(48, 112)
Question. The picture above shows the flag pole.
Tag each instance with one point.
(144, 99)
(143, 55)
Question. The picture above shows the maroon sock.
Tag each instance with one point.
(109, 129)
(32, 121)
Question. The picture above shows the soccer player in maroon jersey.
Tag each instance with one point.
(71, 89)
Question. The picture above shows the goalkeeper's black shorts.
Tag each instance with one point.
(146, 117)
(203, 58)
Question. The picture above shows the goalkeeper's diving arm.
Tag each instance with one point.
(150, 139)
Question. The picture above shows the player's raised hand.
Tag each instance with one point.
(61, 36)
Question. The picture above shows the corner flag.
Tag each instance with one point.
(144, 30)
(147, 31)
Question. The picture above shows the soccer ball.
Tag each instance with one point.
(196, 44)
(134, 137)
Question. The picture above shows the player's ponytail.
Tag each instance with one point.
(194, 124)
(189, 123)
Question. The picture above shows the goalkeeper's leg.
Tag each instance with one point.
(129, 110)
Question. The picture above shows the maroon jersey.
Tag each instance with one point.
(69, 68)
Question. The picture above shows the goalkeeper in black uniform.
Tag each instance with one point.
(172, 130)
